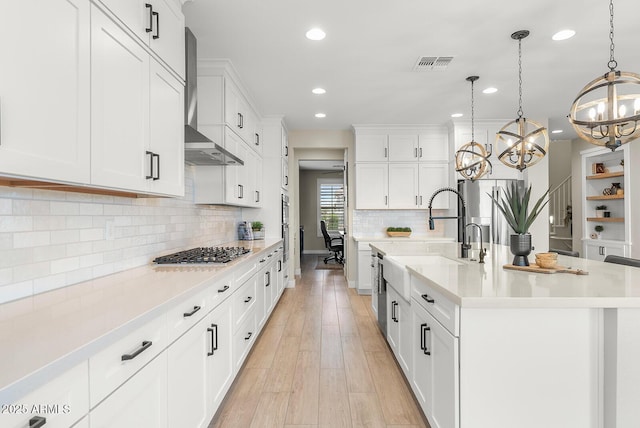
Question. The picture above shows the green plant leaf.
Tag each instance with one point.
(514, 206)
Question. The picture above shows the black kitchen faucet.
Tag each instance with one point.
(464, 247)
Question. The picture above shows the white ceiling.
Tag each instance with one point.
(321, 165)
(365, 63)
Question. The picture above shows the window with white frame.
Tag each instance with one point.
(331, 203)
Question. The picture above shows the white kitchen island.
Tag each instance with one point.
(491, 347)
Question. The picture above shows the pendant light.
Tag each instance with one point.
(472, 159)
(606, 111)
(521, 142)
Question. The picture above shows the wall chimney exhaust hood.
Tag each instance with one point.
(199, 150)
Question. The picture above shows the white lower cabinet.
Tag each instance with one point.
(398, 328)
(58, 404)
(220, 371)
(364, 268)
(140, 402)
(598, 250)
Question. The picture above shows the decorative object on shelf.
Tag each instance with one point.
(616, 189)
(607, 214)
(514, 206)
(472, 159)
(600, 210)
(606, 191)
(399, 231)
(599, 228)
(598, 168)
(257, 229)
(526, 141)
(606, 111)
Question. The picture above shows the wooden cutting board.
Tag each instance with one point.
(535, 268)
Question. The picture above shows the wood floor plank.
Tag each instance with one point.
(295, 324)
(396, 401)
(271, 410)
(347, 322)
(281, 374)
(357, 305)
(303, 402)
(355, 364)
(334, 410)
(264, 350)
(331, 352)
(365, 411)
(239, 407)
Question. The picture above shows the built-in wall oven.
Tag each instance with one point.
(285, 227)
(381, 290)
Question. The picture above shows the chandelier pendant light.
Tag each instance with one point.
(472, 159)
(522, 143)
(606, 111)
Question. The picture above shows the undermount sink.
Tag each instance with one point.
(397, 275)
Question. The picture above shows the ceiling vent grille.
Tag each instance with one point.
(432, 63)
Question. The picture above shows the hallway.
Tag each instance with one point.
(320, 362)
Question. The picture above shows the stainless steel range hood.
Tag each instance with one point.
(199, 150)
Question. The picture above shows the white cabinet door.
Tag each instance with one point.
(372, 181)
(403, 186)
(140, 402)
(422, 373)
(220, 370)
(44, 89)
(434, 146)
(445, 388)
(405, 345)
(372, 148)
(364, 270)
(393, 324)
(598, 250)
(187, 378)
(432, 178)
(119, 106)
(167, 132)
(403, 148)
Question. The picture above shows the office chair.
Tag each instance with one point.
(565, 252)
(336, 249)
(622, 260)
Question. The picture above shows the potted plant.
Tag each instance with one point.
(600, 209)
(399, 231)
(258, 230)
(514, 206)
(599, 228)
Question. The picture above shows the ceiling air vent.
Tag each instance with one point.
(432, 63)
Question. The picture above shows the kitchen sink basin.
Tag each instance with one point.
(397, 275)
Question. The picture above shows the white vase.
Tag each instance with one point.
(599, 213)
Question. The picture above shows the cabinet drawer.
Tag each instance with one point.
(441, 308)
(112, 366)
(244, 301)
(246, 271)
(187, 313)
(243, 339)
(220, 289)
(59, 403)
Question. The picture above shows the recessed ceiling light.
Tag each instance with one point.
(318, 91)
(557, 131)
(315, 34)
(320, 115)
(563, 35)
(490, 90)
(457, 115)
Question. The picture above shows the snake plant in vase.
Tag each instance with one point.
(514, 206)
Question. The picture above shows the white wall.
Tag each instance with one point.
(51, 239)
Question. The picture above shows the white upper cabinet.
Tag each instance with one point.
(44, 89)
(372, 186)
(159, 24)
(403, 148)
(372, 148)
(434, 145)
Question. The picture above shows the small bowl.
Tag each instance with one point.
(547, 256)
(546, 263)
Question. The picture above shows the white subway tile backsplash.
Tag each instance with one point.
(51, 239)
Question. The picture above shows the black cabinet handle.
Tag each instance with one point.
(424, 328)
(420, 151)
(268, 275)
(393, 311)
(286, 151)
(145, 345)
(257, 139)
(155, 176)
(427, 298)
(248, 299)
(248, 336)
(37, 421)
(157, 35)
(223, 289)
(286, 180)
(240, 191)
(279, 265)
(257, 196)
(150, 154)
(240, 121)
(214, 338)
(195, 309)
(150, 27)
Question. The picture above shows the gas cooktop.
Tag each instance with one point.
(203, 255)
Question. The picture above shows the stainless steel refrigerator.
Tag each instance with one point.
(481, 210)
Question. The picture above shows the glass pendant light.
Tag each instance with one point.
(521, 142)
(606, 111)
(472, 159)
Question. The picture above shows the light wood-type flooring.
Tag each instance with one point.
(320, 361)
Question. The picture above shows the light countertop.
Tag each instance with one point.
(489, 285)
(50, 332)
(412, 238)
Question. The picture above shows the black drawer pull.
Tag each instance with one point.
(156, 176)
(248, 299)
(248, 336)
(37, 421)
(150, 27)
(424, 328)
(223, 289)
(145, 345)
(427, 298)
(150, 154)
(195, 309)
(157, 35)
(214, 338)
